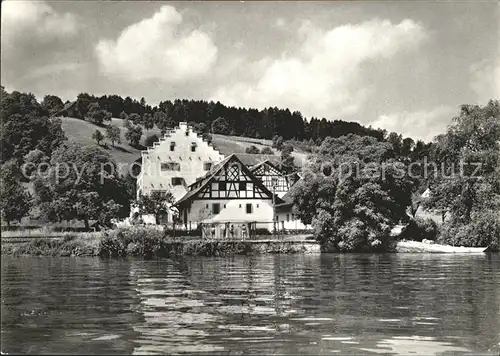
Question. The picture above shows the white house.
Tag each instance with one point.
(230, 193)
(176, 161)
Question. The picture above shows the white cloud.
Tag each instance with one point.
(324, 77)
(33, 23)
(424, 124)
(279, 23)
(156, 48)
(485, 80)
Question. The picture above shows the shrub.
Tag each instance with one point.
(483, 231)
(267, 151)
(252, 150)
(262, 231)
(138, 241)
(182, 233)
(419, 229)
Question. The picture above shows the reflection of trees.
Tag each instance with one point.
(55, 305)
(195, 304)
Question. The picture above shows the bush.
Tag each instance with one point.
(419, 229)
(252, 150)
(267, 151)
(180, 233)
(262, 231)
(137, 241)
(483, 231)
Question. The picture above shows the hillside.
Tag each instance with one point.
(81, 131)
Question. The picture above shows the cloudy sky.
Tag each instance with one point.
(404, 66)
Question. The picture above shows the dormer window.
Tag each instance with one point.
(172, 146)
(193, 146)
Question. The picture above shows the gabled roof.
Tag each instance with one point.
(205, 180)
(269, 163)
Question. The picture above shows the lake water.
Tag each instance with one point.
(412, 304)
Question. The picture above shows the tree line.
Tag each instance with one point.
(238, 121)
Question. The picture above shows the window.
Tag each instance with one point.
(222, 185)
(257, 205)
(243, 186)
(187, 132)
(172, 146)
(207, 205)
(193, 146)
(215, 208)
(287, 217)
(176, 181)
(224, 206)
(249, 208)
(240, 205)
(207, 166)
(170, 166)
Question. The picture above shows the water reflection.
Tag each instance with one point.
(300, 304)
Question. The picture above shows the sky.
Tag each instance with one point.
(402, 66)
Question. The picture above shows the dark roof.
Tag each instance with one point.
(214, 171)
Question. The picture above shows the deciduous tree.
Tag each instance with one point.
(220, 126)
(133, 135)
(157, 203)
(252, 150)
(113, 134)
(83, 183)
(15, 201)
(52, 103)
(98, 136)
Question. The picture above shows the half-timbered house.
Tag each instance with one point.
(274, 178)
(229, 190)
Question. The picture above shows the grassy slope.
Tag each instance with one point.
(81, 131)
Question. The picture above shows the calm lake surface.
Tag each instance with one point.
(412, 304)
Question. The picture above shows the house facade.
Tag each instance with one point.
(273, 178)
(176, 161)
(230, 193)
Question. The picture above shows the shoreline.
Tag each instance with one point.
(148, 242)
